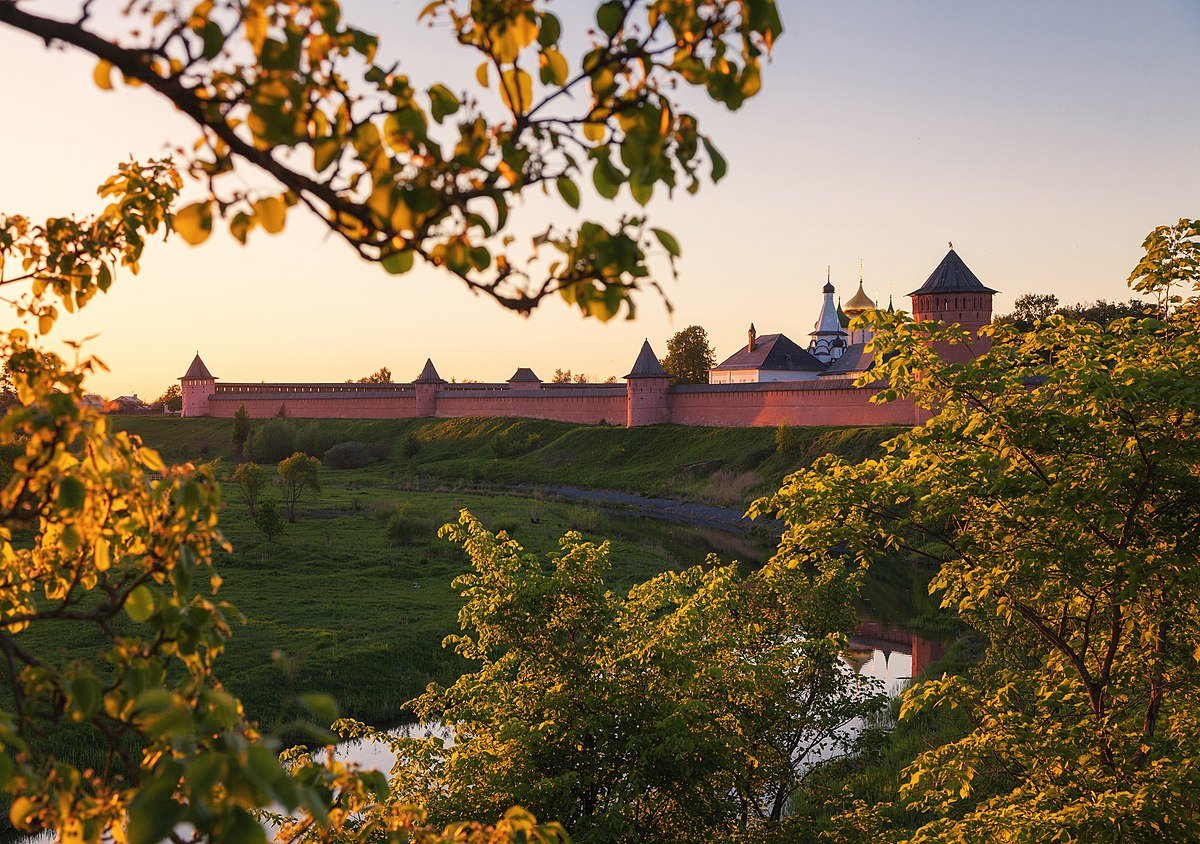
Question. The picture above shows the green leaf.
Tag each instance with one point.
(322, 706)
(398, 263)
(719, 166)
(71, 494)
(153, 813)
(569, 191)
(140, 604)
(550, 30)
(609, 16)
(442, 102)
(668, 241)
(84, 696)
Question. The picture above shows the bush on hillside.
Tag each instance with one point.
(354, 455)
(272, 442)
(410, 447)
(402, 529)
(308, 440)
(511, 444)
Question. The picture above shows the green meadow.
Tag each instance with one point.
(355, 598)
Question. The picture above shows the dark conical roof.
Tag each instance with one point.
(524, 375)
(952, 276)
(647, 365)
(429, 375)
(197, 371)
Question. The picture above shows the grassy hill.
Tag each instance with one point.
(725, 466)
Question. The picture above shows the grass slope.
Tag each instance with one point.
(727, 466)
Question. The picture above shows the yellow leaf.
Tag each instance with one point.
(481, 74)
(519, 83)
(103, 554)
(271, 213)
(194, 222)
(102, 75)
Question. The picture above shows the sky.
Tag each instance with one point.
(1044, 139)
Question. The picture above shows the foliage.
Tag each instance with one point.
(353, 455)
(171, 399)
(272, 441)
(100, 540)
(1056, 491)
(241, 430)
(383, 375)
(564, 376)
(787, 441)
(1033, 307)
(298, 474)
(402, 529)
(510, 443)
(683, 711)
(309, 439)
(400, 168)
(689, 356)
(268, 521)
(251, 480)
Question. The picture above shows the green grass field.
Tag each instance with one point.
(726, 466)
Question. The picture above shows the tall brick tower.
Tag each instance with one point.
(646, 390)
(197, 384)
(953, 294)
(427, 385)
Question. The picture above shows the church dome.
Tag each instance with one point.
(858, 303)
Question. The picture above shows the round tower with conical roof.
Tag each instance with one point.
(954, 295)
(646, 390)
(197, 384)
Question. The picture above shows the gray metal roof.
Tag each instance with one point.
(197, 371)
(524, 374)
(856, 358)
(952, 276)
(429, 375)
(647, 365)
(775, 352)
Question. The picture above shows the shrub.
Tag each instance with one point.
(410, 447)
(354, 455)
(308, 440)
(510, 443)
(402, 529)
(268, 520)
(272, 442)
(787, 441)
(584, 519)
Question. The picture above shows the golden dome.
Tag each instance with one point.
(858, 303)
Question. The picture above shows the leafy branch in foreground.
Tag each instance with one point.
(99, 538)
(1056, 494)
(400, 169)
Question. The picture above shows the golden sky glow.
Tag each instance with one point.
(1045, 140)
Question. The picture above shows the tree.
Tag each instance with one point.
(298, 475)
(687, 710)
(689, 356)
(251, 480)
(171, 399)
(383, 375)
(561, 376)
(241, 431)
(1055, 494)
(293, 93)
(268, 521)
(1033, 307)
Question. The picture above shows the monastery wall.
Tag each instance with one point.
(588, 405)
(803, 403)
(799, 403)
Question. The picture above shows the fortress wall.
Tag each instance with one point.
(792, 403)
(582, 406)
(799, 403)
(266, 406)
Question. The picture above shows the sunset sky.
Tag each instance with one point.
(1044, 139)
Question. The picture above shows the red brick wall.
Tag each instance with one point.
(802, 403)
